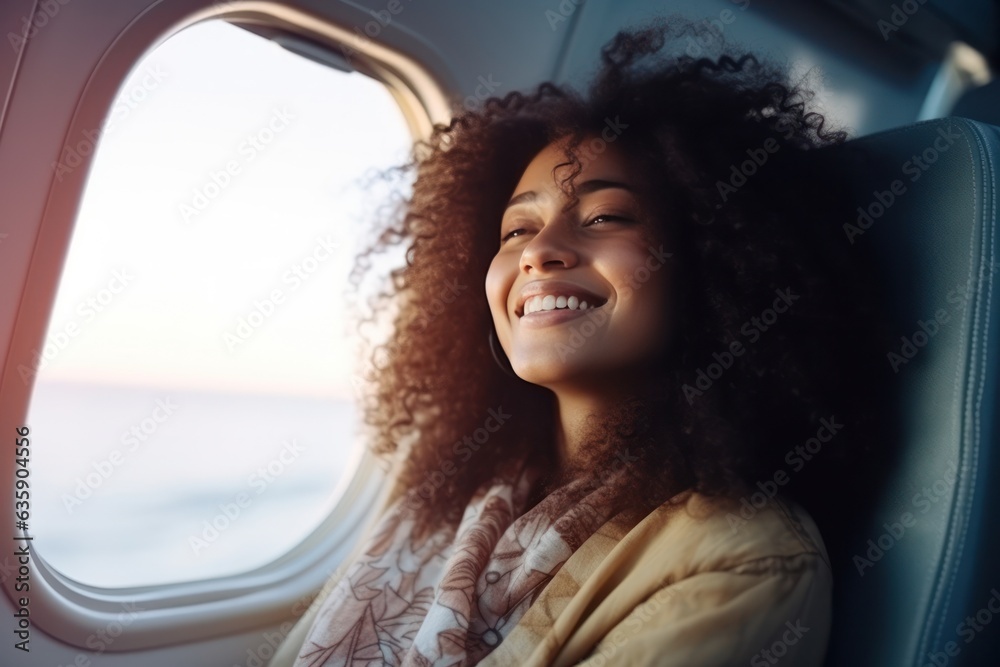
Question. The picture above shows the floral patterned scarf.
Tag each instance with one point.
(450, 597)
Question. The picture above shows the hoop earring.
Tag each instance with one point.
(499, 356)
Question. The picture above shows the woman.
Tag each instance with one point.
(675, 325)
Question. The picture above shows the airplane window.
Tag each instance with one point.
(195, 387)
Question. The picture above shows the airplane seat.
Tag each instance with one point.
(922, 584)
(981, 103)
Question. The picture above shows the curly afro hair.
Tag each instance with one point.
(728, 146)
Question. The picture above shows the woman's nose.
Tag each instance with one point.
(553, 244)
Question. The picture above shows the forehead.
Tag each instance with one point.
(599, 160)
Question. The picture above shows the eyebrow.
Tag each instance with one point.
(585, 188)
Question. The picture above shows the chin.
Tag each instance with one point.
(552, 372)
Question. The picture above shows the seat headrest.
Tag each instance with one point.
(926, 562)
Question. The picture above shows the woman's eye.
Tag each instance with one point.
(597, 219)
(511, 234)
(604, 218)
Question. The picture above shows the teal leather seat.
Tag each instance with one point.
(920, 582)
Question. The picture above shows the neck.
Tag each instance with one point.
(573, 410)
(574, 406)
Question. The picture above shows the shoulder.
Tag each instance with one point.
(705, 553)
(708, 585)
(698, 534)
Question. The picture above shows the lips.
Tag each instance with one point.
(557, 288)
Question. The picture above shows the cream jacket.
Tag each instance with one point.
(697, 582)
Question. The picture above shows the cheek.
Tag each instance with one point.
(649, 291)
(498, 282)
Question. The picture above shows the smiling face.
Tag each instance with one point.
(579, 296)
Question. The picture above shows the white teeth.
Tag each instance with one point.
(553, 302)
